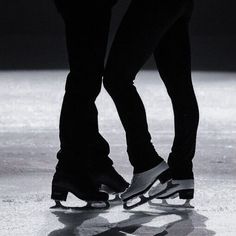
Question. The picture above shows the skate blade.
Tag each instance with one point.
(90, 206)
(138, 201)
(115, 201)
(127, 205)
(165, 205)
(174, 196)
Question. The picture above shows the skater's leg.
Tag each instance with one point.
(174, 63)
(83, 149)
(137, 38)
(86, 34)
(139, 34)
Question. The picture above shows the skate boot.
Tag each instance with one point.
(182, 189)
(142, 182)
(111, 182)
(81, 186)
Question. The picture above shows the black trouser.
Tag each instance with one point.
(87, 28)
(159, 27)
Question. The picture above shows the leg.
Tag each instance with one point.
(87, 29)
(174, 63)
(140, 32)
(83, 149)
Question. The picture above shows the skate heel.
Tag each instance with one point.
(59, 193)
(165, 176)
(186, 194)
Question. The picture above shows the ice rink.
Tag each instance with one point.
(29, 113)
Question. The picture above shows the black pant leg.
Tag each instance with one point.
(173, 59)
(137, 38)
(87, 27)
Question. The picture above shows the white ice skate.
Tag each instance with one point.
(182, 189)
(141, 183)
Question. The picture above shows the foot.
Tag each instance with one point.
(78, 184)
(109, 180)
(142, 182)
(184, 189)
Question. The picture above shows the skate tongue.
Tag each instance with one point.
(137, 201)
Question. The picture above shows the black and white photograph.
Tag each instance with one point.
(117, 117)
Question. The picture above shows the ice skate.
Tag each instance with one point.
(111, 182)
(81, 187)
(176, 189)
(141, 183)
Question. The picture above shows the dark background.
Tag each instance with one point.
(31, 35)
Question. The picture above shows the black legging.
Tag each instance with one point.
(86, 27)
(159, 27)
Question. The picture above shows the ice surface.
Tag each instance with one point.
(29, 107)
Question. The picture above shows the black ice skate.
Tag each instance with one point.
(175, 189)
(142, 182)
(82, 187)
(111, 182)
